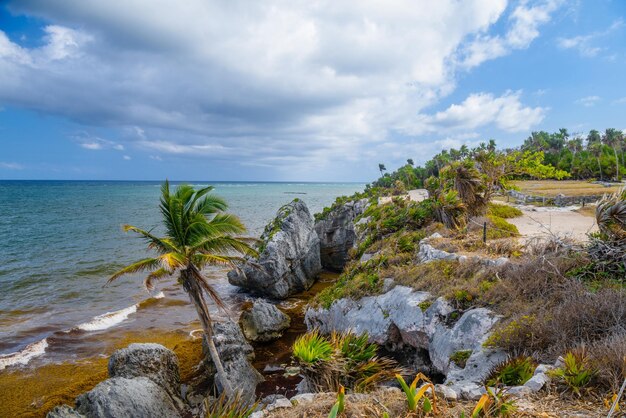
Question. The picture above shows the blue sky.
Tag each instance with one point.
(298, 90)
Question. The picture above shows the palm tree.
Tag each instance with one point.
(381, 168)
(197, 234)
(613, 138)
(410, 161)
(596, 150)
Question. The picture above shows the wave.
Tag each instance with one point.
(108, 319)
(24, 356)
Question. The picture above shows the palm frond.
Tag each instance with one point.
(139, 266)
(154, 276)
(223, 244)
(159, 244)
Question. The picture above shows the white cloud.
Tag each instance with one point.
(588, 101)
(11, 166)
(585, 44)
(94, 143)
(127, 157)
(481, 109)
(524, 23)
(621, 100)
(288, 83)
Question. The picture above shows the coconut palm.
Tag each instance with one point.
(197, 234)
(381, 168)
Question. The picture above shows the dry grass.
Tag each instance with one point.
(587, 210)
(551, 188)
(393, 402)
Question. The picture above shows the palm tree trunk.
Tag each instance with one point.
(616, 164)
(600, 167)
(195, 294)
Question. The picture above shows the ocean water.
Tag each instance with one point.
(60, 240)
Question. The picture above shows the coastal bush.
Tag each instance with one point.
(312, 348)
(608, 358)
(498, 227)
(345, 359)
(576, 373)
(503, 211)
(398, 215)
(514, 371)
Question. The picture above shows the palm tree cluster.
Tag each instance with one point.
(198, 233)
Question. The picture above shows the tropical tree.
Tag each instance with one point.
(381, 168)
(410, 161)
(613, 138)
(197, 234)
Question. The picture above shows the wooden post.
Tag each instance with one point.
(485, 233)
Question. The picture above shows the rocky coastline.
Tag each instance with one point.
(424, 332)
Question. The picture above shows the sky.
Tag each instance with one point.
(294, 90)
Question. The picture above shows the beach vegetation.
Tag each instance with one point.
(342, 360)
(460, 357)
(422, 400)
(198, 233)
(514, 371)
(228, 407)
(576, 373)
(494, 403)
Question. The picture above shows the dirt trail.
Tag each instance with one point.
(541, 221)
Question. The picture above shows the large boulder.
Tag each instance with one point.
(263, 321)
(337, 233)
(289, 258)
(403, 318)
(153, 361)
(120, 397)
(236, 355)
(63, 411)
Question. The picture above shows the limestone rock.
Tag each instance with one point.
(290, 255)
(63, 411)
(236, 354)
(263, 321)
(337, 234)
(120, 397)
(153, 361)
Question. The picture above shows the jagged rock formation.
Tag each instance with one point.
(337, 234)
(263, 321)
(403, 317)
(289, 258)
(236, 354)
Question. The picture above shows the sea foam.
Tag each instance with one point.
(107, 320)
(23, 357)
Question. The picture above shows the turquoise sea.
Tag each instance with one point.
(60, 240)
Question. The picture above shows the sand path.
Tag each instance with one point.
(541, 221)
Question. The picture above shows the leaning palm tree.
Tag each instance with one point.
(197, 234)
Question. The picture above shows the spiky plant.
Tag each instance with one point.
(611, 215)
(514, 371)
(197, 234)
(225, 407)
(463, 177)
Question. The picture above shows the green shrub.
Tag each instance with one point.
(342, 359)
(513, 372)
(576, 372)
(312, 348)
(500, 228)
(503, 211)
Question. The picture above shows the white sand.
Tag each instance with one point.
(543, 221)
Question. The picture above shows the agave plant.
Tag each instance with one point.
(342, 359)
(611, 215)
(415, 395)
